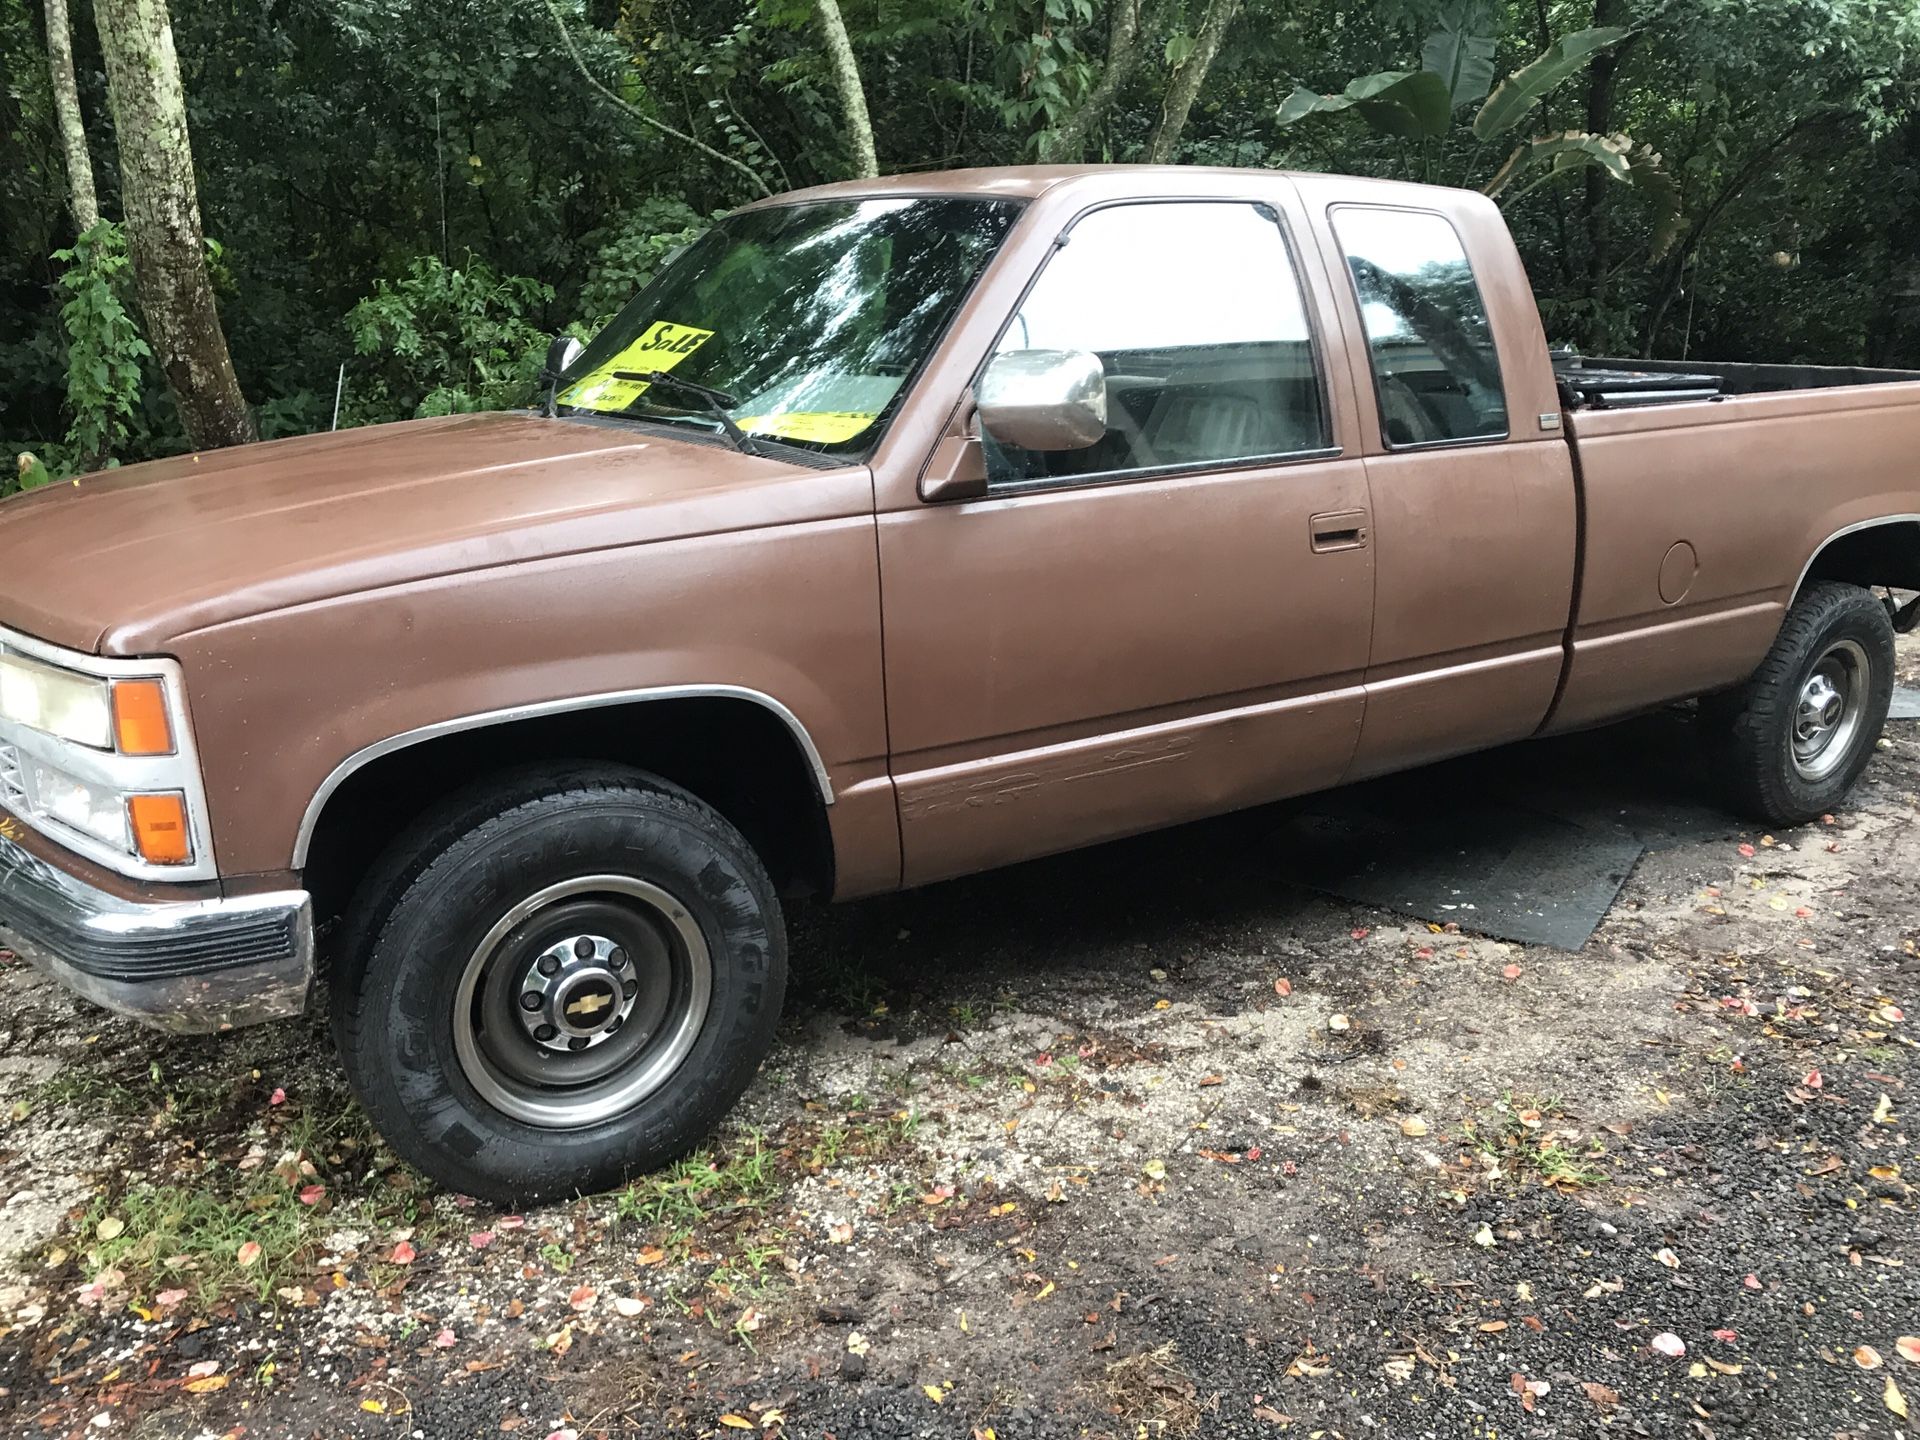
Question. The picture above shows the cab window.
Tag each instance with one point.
(1436, 373)
(1196, 316)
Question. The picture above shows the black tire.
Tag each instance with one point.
(635, 864)
(1777, 766)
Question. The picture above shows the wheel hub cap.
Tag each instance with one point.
(1828, 714)
(577, 993)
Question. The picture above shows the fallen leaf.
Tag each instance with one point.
(1492, 1327)
(1746, 851)
(1360, 932)
(110, 1228)
(279, 1097)
(1725, 1337)
(737, 1422)
(1909, 1348)
(1883, 1111)
(1866, 1357)
(404, 1253)
(1813, 1080)
(1893, 1399)
(249, 1253)
(1413, 1127)
(934, 1393)
(1206, 1080)
(480, 1239)
(1667, 1258)
(1483, 1237)
(650, 1255)
(1892, 1014)
(312, 1194)
(1283, 987)
(1600, 1395)
(1752, 1282)
(446, 1340)
(583, 1297)
(1512, 972)
(1339, 1024)
(168, 1298)
(207, 1384)
(1722, 1367)
(627, 1306)
(1154, 1169)
(1667, 1343)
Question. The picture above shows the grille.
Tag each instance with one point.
(13, 790)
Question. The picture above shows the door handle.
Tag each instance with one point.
(1338, 530)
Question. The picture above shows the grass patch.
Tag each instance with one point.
(195, 1230)
(1524, 1141)
(1152, 1394)
(702, 1186)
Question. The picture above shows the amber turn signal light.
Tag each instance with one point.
(140, 722)
(160, 830)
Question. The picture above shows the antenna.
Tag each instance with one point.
(339, 389)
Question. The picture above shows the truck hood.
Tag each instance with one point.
(124, 561)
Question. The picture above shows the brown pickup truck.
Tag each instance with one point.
(900, 529)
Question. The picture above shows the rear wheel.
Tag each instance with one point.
(558, 982)
(1801, 730)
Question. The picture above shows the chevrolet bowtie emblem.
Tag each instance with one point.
(590, 1004)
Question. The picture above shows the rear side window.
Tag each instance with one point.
(1196, 315)
(1435, 371)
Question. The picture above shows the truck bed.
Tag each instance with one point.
(1613, 383)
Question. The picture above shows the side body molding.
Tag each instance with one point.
(341, 772)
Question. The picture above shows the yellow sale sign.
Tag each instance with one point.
(661, 346)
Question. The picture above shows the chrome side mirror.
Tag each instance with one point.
(1043, 399)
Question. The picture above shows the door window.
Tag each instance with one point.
(1197, 317)
(1435, 370)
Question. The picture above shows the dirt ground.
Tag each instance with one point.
(1144, 1141)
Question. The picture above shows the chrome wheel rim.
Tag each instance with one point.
(1828, 710)
(581, 1001)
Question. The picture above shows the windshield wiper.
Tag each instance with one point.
(718, 402)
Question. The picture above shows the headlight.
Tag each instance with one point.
(97, 753)
(74, 707)
(90, 808)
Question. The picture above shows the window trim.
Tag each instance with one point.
(1366, 341)
(1315, 345)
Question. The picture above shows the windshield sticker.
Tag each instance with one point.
(661, 346)
(821, 427)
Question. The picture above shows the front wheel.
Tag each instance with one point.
(1803, 727)
(559, 982)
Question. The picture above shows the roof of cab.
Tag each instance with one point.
(1026, 182)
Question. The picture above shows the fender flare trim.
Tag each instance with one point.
(310, 821)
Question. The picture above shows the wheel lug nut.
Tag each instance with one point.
(618, 959)
(549, 965)
(578, 1042)
(530, 1001)
(545, 1032)
(628, 989)
(615, 1023)
(583, 948)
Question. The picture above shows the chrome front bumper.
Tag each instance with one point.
(188, 966)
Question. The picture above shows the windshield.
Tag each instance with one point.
(812, 318)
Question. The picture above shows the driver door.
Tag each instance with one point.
(1170, 621)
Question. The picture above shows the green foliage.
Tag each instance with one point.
(1516, 96)
(1410, 104)
(104, 348)
(342, 141)
(631, 251)
(445, 340)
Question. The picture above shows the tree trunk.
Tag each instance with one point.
(853, 96)
(162, 205)
(1065, 144)
(66, 111)
(1595, 198)
(1187, 80)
